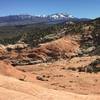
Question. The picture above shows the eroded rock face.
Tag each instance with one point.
(61, 48)
(16, 46)
(2, 49)
(22, 54)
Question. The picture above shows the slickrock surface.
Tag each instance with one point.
(13, 89)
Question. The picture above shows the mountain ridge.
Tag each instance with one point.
(33, 19)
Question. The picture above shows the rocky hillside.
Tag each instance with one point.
(54, 42)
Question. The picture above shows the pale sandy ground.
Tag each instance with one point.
(13, 89)
(62, 84)
(56, 76)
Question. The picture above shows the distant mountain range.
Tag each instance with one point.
(29, 19)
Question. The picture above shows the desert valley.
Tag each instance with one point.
(51, 59)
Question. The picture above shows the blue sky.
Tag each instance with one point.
(78, 8)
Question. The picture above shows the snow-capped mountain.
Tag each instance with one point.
(29, 19)
(60, 16)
